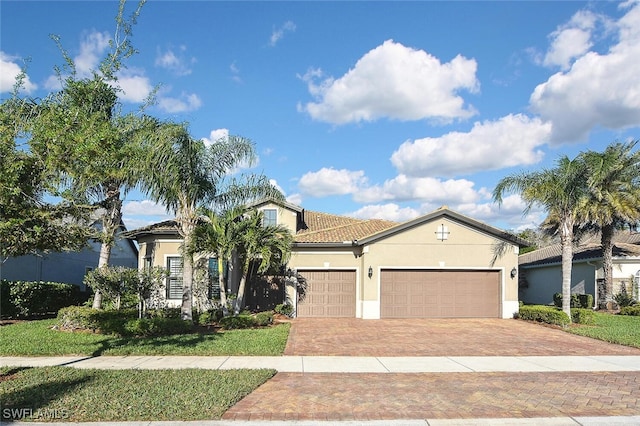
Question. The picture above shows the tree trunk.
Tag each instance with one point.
(241, 287)
(607, 264)
(110, 223)
(221, 283)
(103, 262)
(566, 241)
(187, 277)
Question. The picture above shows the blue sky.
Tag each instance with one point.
(364, 108)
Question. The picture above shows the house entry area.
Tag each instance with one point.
(330, 293)
(439, 294)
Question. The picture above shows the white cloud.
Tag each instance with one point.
(185, 103)
(395, 82)
(295, 199)
(176, 63)
(10, 72)
(510, 212)
(405, 188)
(235, 73)
(510, 141)
(329, 181)
(598, 89)
(278, 33)
(92, 47)
(216, 135)
(144, 207)
(571, 40)
(390, 211)
(137, 214)
(135, 86)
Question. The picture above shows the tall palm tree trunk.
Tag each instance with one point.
(241, 287)
(607, 264)
(221, 284)
(566, 241)
(186, 312)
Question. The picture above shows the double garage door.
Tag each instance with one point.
(439, 294)
(405, 294)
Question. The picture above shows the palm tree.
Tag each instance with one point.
(216, 236)
(613, 199)
(559, 190)
(269, 245)
(184, 174)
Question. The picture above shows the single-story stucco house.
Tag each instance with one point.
(442, 264)
(541, 270)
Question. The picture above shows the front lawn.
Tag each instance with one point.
(36, 338)
(78, 395)
(621, 329)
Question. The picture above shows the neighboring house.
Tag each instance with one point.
(541, 270)
(442, 264)
(68, 267)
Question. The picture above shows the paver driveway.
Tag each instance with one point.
(439, 337)
(318, 396)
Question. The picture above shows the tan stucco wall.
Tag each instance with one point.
(285, 217)
(464, 248)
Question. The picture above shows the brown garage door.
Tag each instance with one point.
(439, 294)
(329, 294)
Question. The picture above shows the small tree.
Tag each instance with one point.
(148, 282)
(114, 281)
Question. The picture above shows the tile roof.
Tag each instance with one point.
(329, 228)
(625, 244)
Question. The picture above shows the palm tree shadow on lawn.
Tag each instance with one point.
(20, 404)
(170, 342)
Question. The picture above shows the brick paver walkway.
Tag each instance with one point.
(439, 337)
(296, 396)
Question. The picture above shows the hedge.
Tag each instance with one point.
(546, 314)
(28, 299)
(630, 310)
(123, 322)
(584, 301)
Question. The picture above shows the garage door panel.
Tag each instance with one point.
(439, 293)
(329, 294)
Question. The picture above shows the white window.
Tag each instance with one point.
(174, 280)
(270, 217)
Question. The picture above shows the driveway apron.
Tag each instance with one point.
(367, 396)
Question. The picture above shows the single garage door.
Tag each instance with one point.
(439, 294)
(329, 294)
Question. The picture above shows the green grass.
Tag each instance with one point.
(36, 338)
(621, 329)
(77, 395)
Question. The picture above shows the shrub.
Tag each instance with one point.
(284, 309)
(546, 314)
(583, 316)
(210, 316)
(238, 321)
(147, 327)
(173, 313)
(584, 301)
(623, 299)
(28, 299)
(630, 310)
(87, 318)
(264, 318)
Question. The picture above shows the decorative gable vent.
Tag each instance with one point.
(442, 233)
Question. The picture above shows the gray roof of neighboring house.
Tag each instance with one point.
(626, 244)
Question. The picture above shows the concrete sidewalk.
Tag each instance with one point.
(550, 421)
(344, 364)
